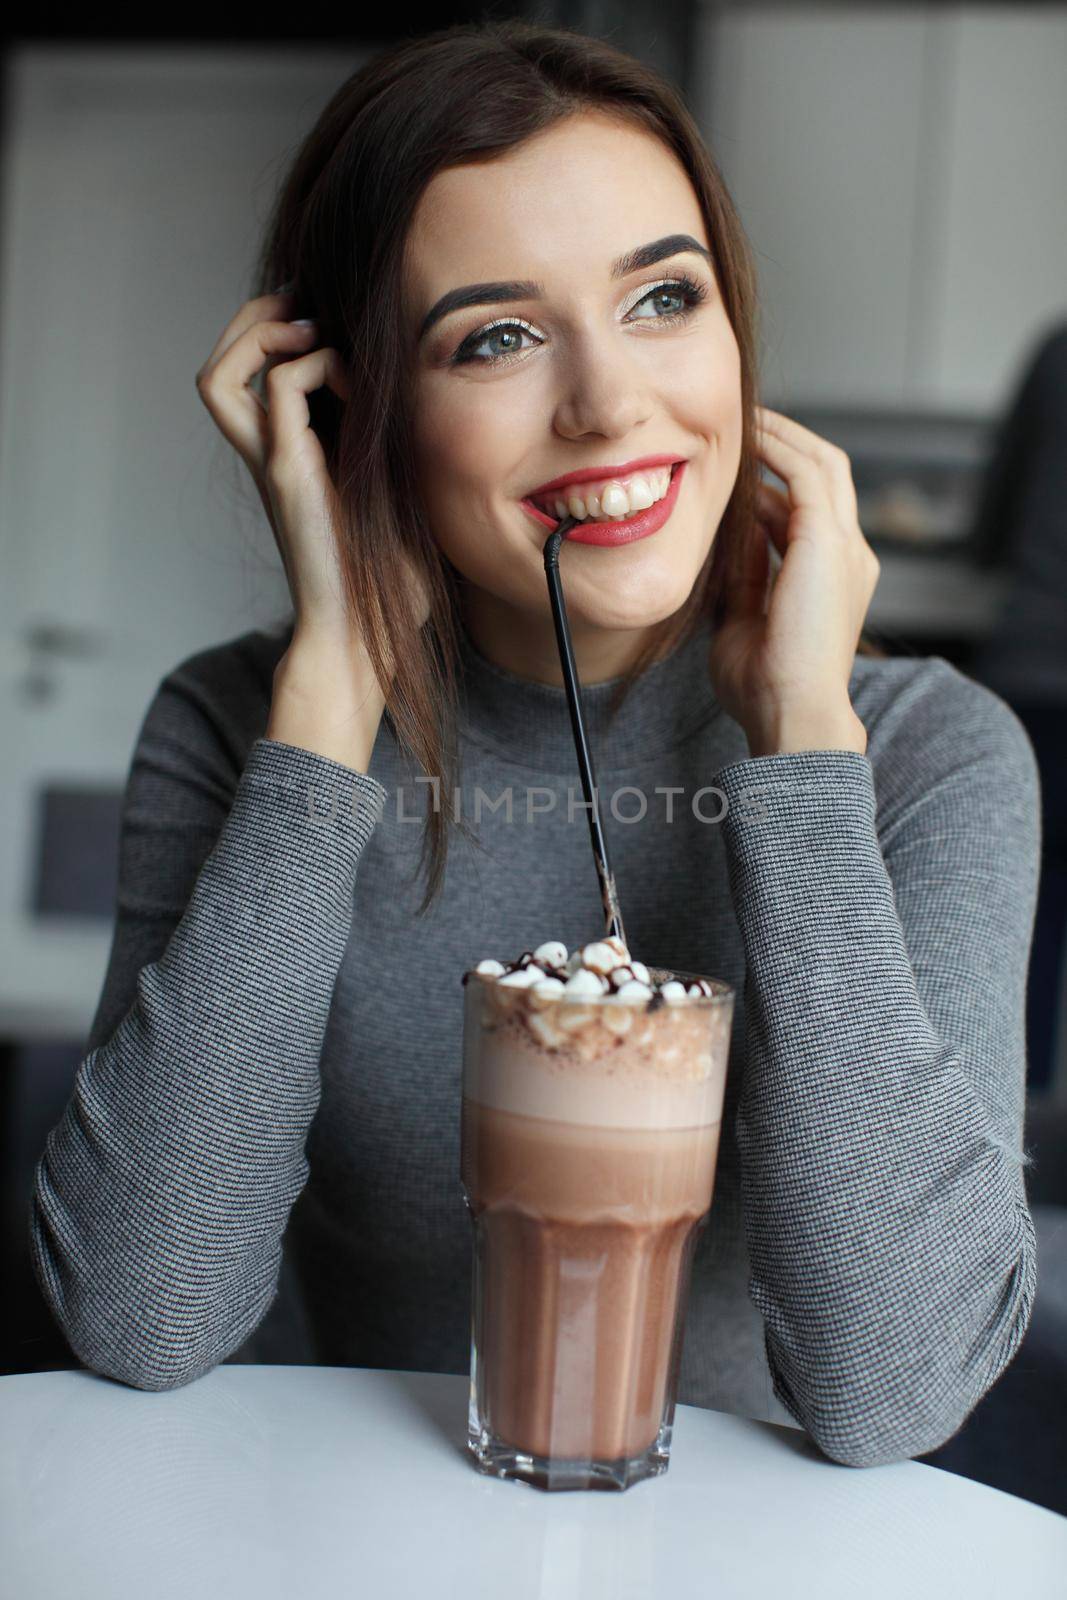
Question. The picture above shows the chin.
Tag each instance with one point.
(640, 606)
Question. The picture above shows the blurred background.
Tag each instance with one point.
(900, 172)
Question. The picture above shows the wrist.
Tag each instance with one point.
(328, 702)
(785, 731)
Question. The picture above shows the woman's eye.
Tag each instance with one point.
(685, 290)
(512, 331)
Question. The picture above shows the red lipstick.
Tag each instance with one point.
(590, 474)
(625, 531)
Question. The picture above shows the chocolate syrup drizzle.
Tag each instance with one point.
(656, 985)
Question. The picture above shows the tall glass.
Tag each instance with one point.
(590, 1132)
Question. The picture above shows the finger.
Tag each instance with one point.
(808, 484)
(773, 516)
(288, 414)
(226, 390)
(792, 431)
(834, 461)
(264, 308)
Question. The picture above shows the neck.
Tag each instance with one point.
(525, 644)
(526, 720)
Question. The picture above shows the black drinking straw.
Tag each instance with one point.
(608, 892)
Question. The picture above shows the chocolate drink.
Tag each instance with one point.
(589, 1139)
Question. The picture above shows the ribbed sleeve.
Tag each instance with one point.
(163, 1193)
(891, 1250)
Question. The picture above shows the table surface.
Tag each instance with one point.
(315, 1481)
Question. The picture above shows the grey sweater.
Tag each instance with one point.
(260, 1156)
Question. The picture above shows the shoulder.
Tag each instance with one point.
(239, 671)
(213, 704)
(928, 722)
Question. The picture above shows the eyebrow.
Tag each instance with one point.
(480, 294)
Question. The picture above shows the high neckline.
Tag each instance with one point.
(529, 723)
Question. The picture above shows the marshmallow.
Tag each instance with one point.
(633, 991)
(584, 982)
(551, 954)
(601, 968)
(571, 1017)
(544, 1030)
(523, 977)
(602, 956)
(546, 988)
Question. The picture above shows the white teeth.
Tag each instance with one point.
(616, 500)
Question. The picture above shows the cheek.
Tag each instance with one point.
(708, 382)
(462, 442)
(465, 444)
(439, 443)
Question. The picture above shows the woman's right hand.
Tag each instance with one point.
(286, 459)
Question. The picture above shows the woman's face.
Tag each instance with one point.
(595, 371)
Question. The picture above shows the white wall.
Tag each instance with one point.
(901, 174)
(136, 182)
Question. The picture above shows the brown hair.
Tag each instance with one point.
(337, 233)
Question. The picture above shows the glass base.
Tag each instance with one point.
(497, 1459)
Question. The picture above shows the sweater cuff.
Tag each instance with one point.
(779, 803)
(316, 790)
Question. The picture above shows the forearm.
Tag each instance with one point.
(164, 1191)
(892, 1255)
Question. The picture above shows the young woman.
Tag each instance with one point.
(522, 264)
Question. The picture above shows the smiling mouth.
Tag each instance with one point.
(616, 532)
(546, 505)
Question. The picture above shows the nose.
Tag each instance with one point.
(603, 391)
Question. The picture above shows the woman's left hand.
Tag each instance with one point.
(781, 664)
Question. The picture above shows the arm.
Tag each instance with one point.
(163, 1193)
(880, 1126)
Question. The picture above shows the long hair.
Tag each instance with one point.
(337, 234)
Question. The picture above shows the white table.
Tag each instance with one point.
(300, 1482)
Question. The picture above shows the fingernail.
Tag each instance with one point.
(303, 322)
